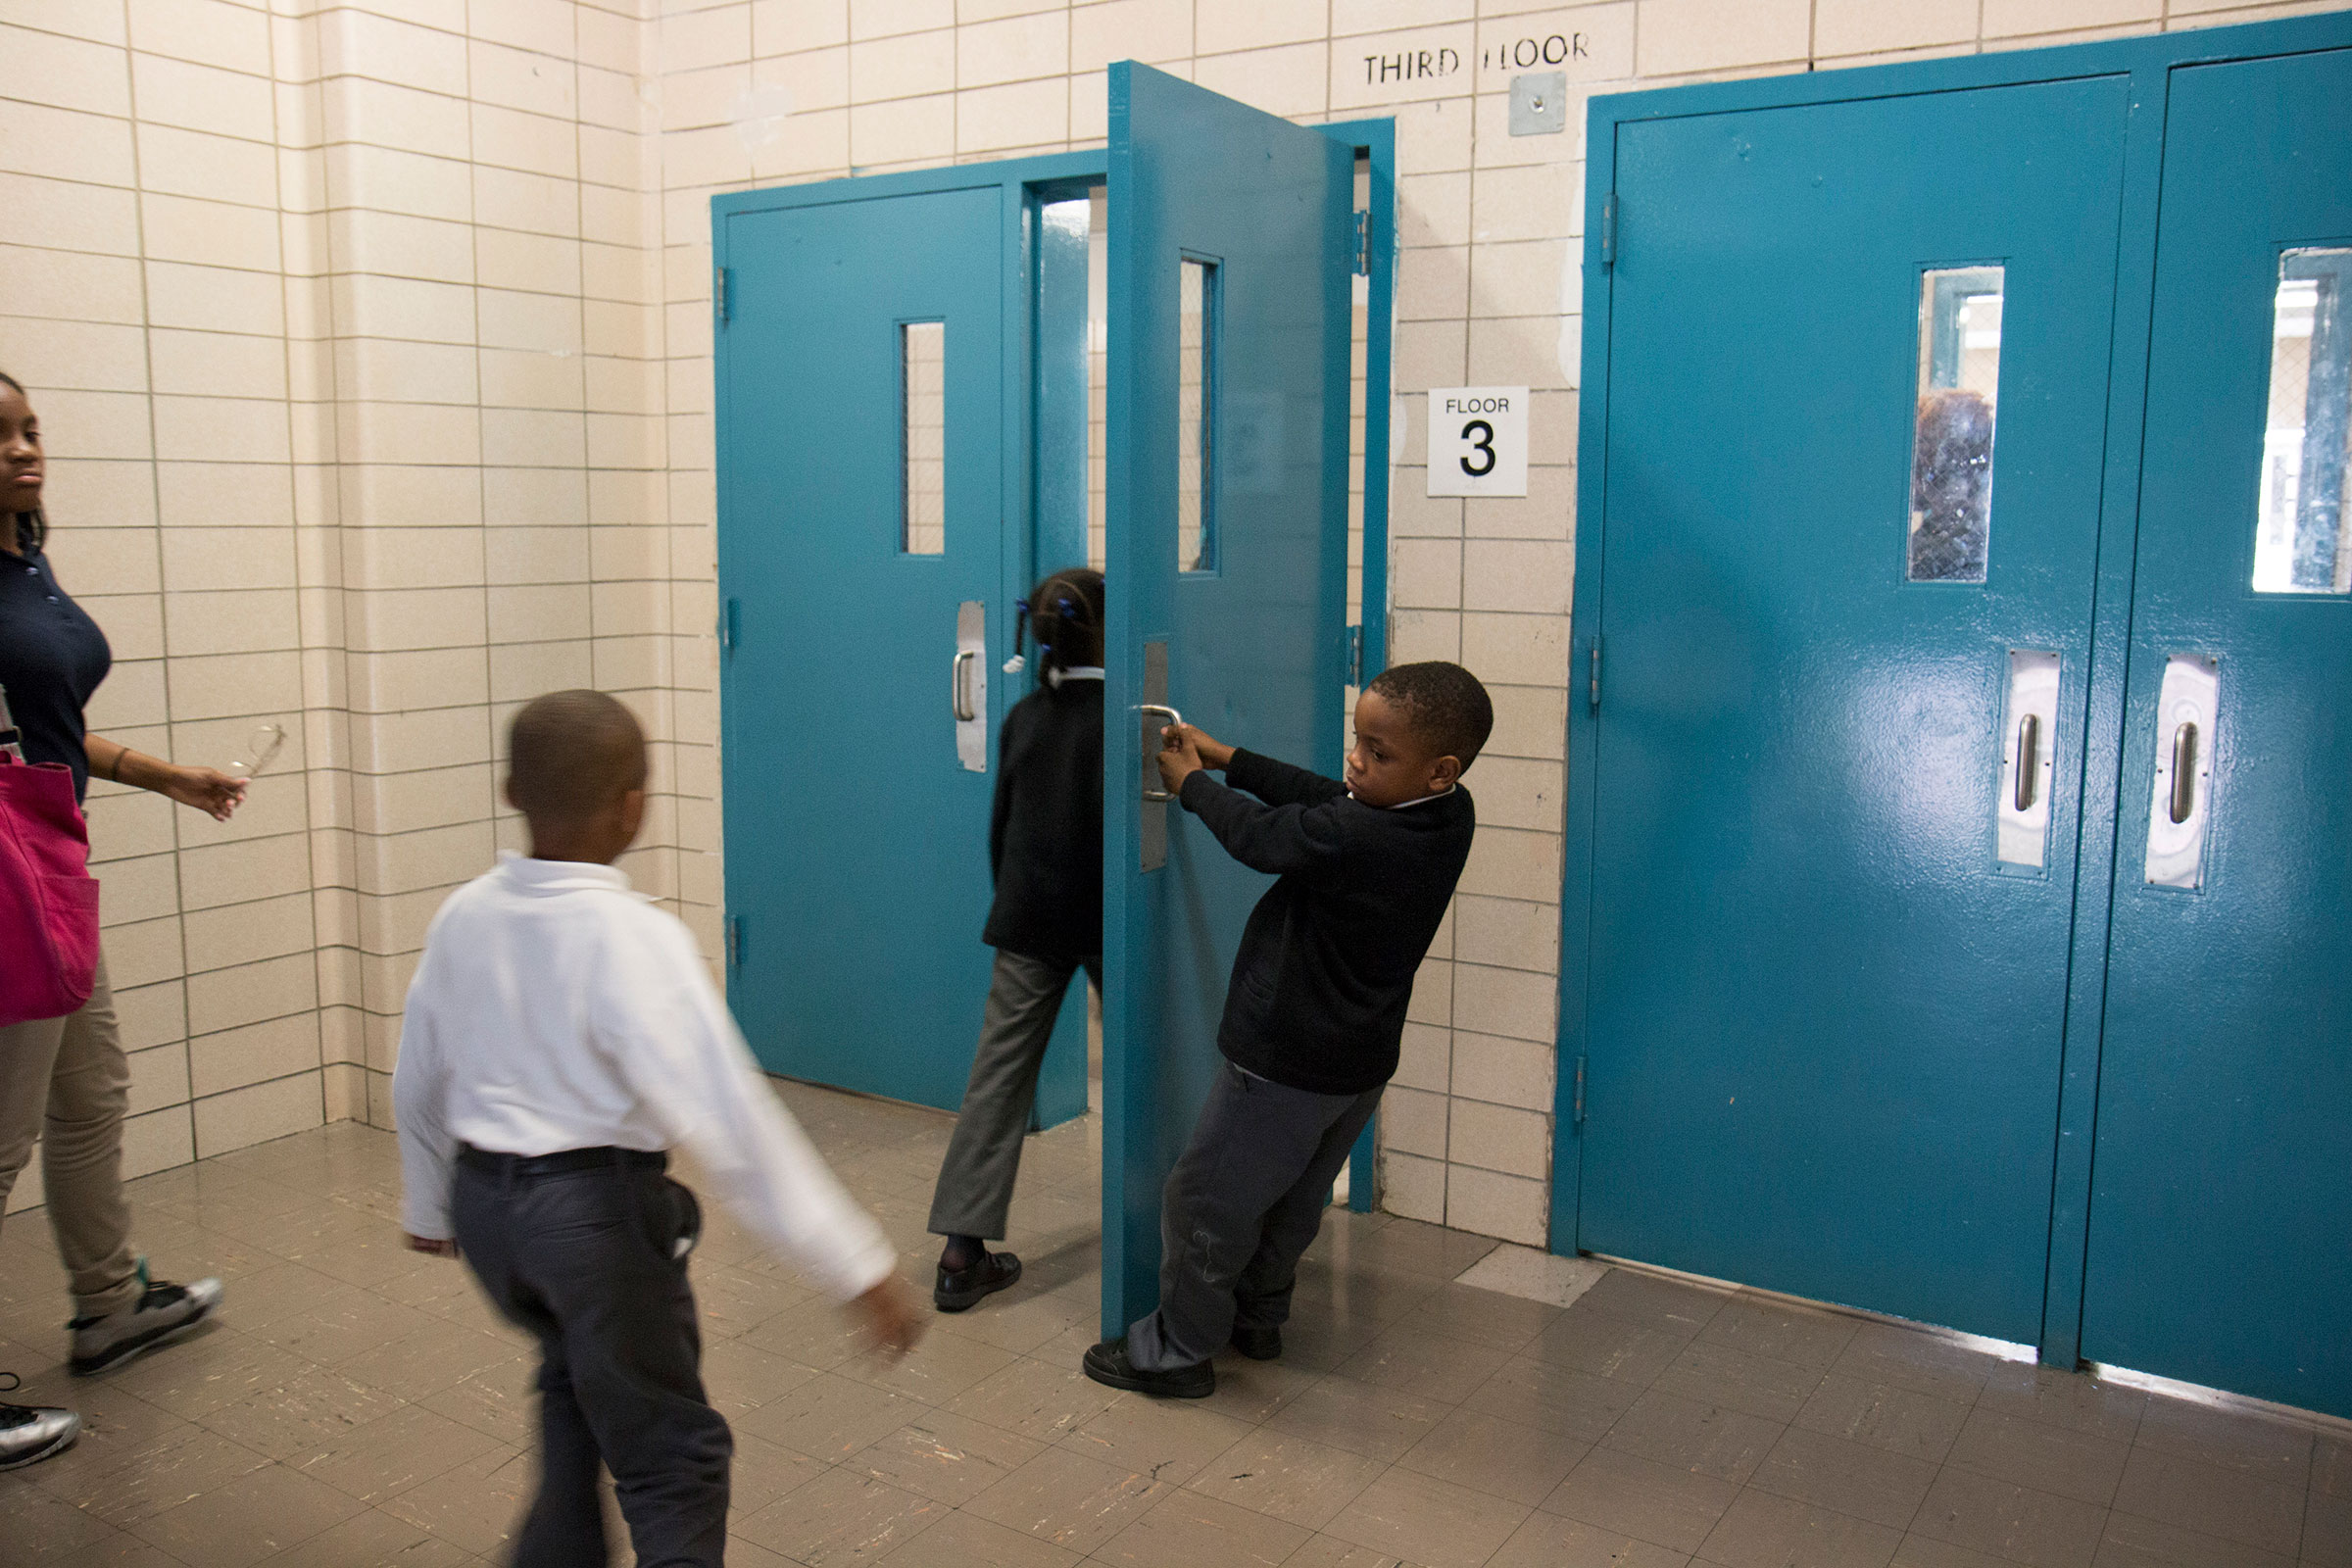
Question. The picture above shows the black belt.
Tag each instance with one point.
(508, 1168)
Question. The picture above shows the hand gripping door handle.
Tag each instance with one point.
(960, 687)
(1172, 717)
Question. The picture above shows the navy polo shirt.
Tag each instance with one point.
(52, 657)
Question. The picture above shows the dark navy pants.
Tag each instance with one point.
(592, 1261)
(1242, 1203)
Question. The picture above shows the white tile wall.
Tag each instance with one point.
(373, 344)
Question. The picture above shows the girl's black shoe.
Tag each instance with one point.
(960, 1289)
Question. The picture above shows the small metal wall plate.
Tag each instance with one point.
(1540, 103)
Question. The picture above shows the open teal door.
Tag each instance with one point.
(1227, 516)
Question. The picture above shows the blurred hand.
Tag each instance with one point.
(207, 789)
(888, 1315)
(437, 1245)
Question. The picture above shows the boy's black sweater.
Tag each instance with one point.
(1044, 837)
(1327, 962)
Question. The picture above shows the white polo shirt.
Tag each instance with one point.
(556, 1009)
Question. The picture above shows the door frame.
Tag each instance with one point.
(1023, 183)
(2148, 62)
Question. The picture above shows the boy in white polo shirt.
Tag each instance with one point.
(562, 1034)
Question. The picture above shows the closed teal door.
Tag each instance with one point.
(2221, 1214)
(861, 561)
(1841, 697)
(1229, 257)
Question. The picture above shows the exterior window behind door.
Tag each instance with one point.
(1951, 440)
(2300, 545)
(923, 437)
(1195, 415)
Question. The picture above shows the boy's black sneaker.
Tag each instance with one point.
(1260, 1342)
(1107, 1364)
(960, 1289)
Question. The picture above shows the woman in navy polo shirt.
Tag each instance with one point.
(66, 1080)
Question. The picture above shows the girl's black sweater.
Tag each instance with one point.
(1328, 959)
(1045, 840)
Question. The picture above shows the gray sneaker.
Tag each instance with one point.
(161, 1311)
(31, 1433)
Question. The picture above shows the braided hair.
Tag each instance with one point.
(25, 530)
(1066, 613)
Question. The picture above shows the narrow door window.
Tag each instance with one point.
(923, 437)
(1196, 418)
(1951, 441)
(2299, 531)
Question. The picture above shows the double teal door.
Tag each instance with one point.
(898, 461)
(1956, 900)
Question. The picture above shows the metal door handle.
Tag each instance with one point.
(2185, 773)
(2028, 759)
(960, 696)
(1174, 717)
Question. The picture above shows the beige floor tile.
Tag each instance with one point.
(374, 1537)
(500, 1401)
(427, 1359)
(1549, 1540)
(1361, 1417)
(1482, 1317)
(814, 1333)
(1330, 1552)
(764, 1471)
(829, 1418)
(2072, 1464)
(145, 1479)
(1555, 1398)
(1185, 1529)
(2237, 1504)
(948, 1458)
(2003, 1519)
(1068, 1500)
(938, 1369)
(1904, 1421)
(256, 1516)
(393, 1453)
(1287, 1477)
(738, 1377)
(840, 1517)
(1421, 1363)
(476, 1505)
(1706, 1439)
(1170, 1440)
(1642, 1499)
(1762, 1530)
(208, 1369)
(1851, 1477)
(316, 1405)
(1779, 1331)
(1043, 1400)
(1428, 1521)
(966, 1540)
(1754, 1384)
(1486, 1453)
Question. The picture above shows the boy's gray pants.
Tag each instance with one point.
(975, 1180)
(1244, 1201)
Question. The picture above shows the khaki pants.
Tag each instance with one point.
(67, 1082)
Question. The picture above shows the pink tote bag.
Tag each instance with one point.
(48, 899)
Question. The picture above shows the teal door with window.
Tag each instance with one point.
(862, 560)
(1229, 265)
(1835, 677)
(2221, 1214)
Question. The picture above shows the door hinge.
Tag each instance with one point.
(1593, 694)
(727, 624)
(735, 949)
(1608, 229)
(718, 294)
(1363, 244)
(1578, 1115)
(1355, 656)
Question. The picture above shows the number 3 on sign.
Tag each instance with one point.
(1478, 441)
